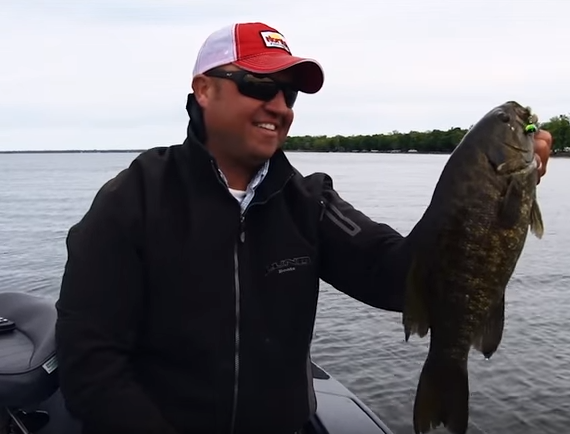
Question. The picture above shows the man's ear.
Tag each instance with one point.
(203, 89)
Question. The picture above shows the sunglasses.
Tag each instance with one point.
(257, 86)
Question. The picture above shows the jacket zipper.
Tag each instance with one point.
(237, 291)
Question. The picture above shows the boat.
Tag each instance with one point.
(30, 400)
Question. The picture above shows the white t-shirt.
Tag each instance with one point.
(238, 194)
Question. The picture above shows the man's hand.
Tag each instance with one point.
(542, 149)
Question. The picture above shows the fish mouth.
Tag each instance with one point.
(525, 118)
(516, 115)
(511, 145)
(523, 114)
(527, 154)
(518, 118)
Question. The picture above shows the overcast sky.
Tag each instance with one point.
(116, 73)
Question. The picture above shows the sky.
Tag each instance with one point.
(115, 74)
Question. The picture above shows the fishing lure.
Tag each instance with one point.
(532, 126)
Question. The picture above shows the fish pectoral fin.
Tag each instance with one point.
(415, 316)
(510, 207)
(536, 225)
(489, 337)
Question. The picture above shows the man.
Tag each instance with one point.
(189, 296)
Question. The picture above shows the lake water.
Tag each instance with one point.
(524, 388)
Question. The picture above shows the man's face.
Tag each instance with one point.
(244, 128)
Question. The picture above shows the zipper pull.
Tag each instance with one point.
(242, 229)
(323, 209)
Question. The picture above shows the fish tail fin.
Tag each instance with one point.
(442, 397)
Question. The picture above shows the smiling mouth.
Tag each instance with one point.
(266, 126)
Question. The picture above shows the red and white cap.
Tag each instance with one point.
(257, 48)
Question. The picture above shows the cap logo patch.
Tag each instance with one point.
(275, 40)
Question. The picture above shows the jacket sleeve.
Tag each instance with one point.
(99, 309)
(360, 257)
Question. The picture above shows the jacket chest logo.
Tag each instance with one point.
(287, 265)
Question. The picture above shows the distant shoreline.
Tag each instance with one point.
(130, 151)
(432, 142)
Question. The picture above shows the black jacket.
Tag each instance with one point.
(177, 316)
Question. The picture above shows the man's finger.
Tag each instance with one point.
(544, 135)
(543, 152)
(543, 148)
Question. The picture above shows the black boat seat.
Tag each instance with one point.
(28, 373)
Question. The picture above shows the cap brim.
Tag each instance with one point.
(307, 73)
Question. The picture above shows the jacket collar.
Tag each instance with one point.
(204, 166)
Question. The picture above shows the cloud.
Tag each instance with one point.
(88, 74)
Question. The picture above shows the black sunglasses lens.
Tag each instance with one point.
(290, 97)
(264, 91)
(257, 87)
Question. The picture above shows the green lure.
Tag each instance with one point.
(531, 128)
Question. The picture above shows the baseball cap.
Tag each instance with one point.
(257, 48)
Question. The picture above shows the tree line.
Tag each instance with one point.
(434, 141)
